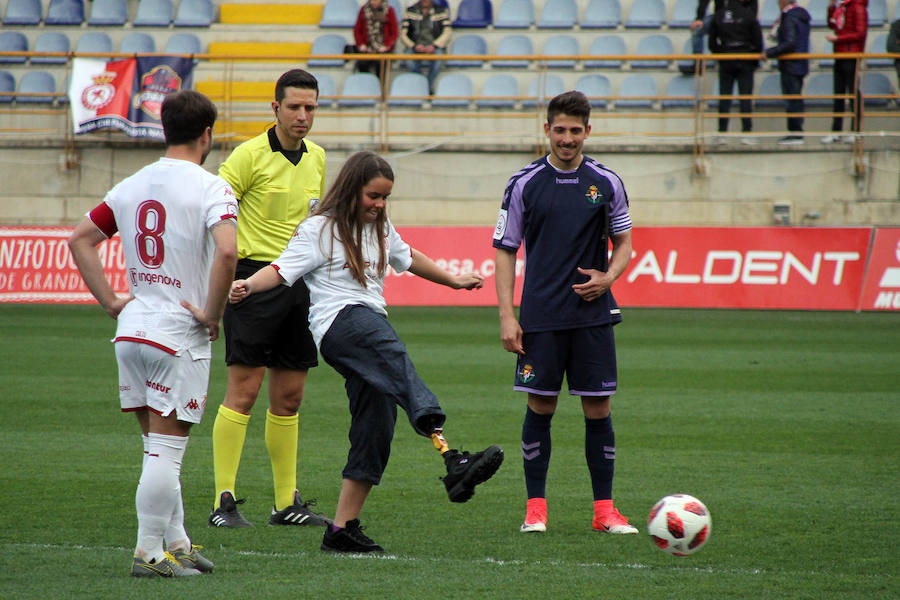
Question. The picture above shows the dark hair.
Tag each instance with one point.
(185, 115)
(297, 78)
(342, 208)
(572, 103)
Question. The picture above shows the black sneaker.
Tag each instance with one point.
(350, 539)
(227, 514)
(465, 471)
(298, 513)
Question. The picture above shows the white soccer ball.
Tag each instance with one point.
(679, 524)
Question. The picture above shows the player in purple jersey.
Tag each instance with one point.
(566, 208)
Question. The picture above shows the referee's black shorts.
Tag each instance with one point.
(269, 329)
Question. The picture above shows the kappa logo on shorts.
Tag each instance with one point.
(193, 405)
(526, 374)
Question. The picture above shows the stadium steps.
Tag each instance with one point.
(253, 49)
(270, 14)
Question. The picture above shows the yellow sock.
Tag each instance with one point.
(229, 432)
(281, 440)
(440, 444)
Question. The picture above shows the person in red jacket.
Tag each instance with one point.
(849, 19)
(375, 32)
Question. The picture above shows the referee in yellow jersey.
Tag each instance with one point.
(277, 177)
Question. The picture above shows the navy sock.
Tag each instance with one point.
(600, 451)
(536, 452)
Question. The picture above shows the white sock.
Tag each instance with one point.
(158, 492)
(176, 536)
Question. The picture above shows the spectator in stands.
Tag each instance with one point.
(849, 19)
(735, 30)
(375, 32)
(700, 26)
(426, 30)
(792, 34)
(893, 45)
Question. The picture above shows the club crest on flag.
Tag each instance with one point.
(158, 83)
(95, 97)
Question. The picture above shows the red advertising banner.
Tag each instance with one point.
(752, 267)
(882, 287)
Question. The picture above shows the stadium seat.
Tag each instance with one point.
(561, 45)
(154, 13)
(13, 41)
(339, 13)
(194, 13)
(137, 42)
(828, 48)
(51, 41)
(470, 44)
(513, 45)
(877, 13)
(515, 14)
(23, 12)
(683, 14)
(7, 87)
(499, 91)
(681, 92)
(330, 43)
(602, 14)
(596, 87)
(558, 14)
(768, 12)
(770, 86)
(687, 65)
(637, 92)
(36, 82)
(408, 89)
(453, 90)
(606, 46)
(108, 12)
(876, 84)
(184, 43)
(65, 12)
(646, 14)
(63, 96)
(879, 46)
(398, 10)
(818, 12)
(653, 44)
(820, 84)
(94, 42)
(542, 88)
(473, 14)
(360, 89)
(327, 89)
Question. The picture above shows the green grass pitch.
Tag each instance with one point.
(786, 424)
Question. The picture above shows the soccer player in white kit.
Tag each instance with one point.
(177, 226)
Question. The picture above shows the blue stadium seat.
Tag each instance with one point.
(398, 10)
(65, 12)
(602, 14)
(561, 45)
(474, 14)
(818, 11)
(330, 43)
(820, 84)
(360, 89)
(194, 13)
(646, 14)
(596, 87)
(51, 41)
(650, 45)
(878, 46)
(683, 14)
(13, 41)
(23, 12)
(408, 89)
(606, 46)
(513, 45)
(470, 44)
(687, 65)
(453, 90)
(876, 84)
(637, 92)
(877, 13)
(768, 12)
(339, 13)
(63, 96)
(184, 43)
(154, 13)
(499, 91)
(138, 42)
(770, 86)
(36, 82)
(7, 87)
(542, 88)
(327, 89)
(558, 14)
(515, 14)
(680, 92)
(108, 12)
(94, 42)
(827, 48)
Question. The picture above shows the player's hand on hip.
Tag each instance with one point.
(511, 335)
(239, 291)
(211, 324)
(116, 306)
(469, 281)
(594, 287)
